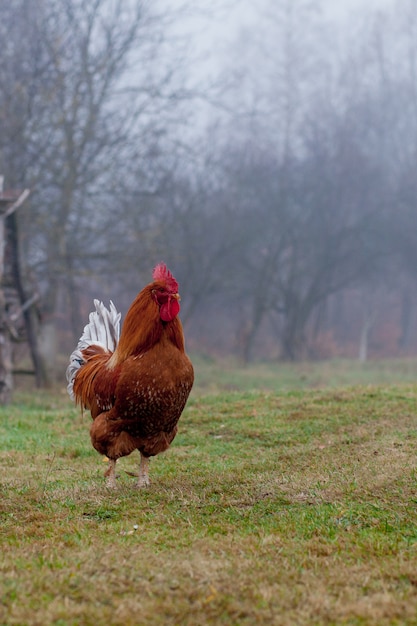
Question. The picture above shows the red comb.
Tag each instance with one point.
(161, 272)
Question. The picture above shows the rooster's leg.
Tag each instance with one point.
(143, 480)
(111, 474)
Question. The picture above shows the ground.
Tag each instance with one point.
(291, 508)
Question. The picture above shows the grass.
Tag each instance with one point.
(228, 375)
(291, 508)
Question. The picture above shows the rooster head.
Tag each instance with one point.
(165, 292)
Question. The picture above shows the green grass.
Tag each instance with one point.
(228, 375)
(291, 508)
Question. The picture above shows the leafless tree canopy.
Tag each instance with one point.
(282, 191)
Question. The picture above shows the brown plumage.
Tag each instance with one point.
(137, 392)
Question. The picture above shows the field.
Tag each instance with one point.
(289, 497)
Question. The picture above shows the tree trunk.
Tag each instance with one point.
(293, 343)
(364, 342)
(6, 363)
(48, 351)
(369, 318)
(30, 315)
(407, 318)
(247, 334)
(293, 339)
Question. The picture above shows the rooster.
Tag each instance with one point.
(135, 386)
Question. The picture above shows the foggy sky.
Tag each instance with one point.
(217, 31)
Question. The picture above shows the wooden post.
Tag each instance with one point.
(6, 377)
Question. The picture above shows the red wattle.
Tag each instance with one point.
(169, 310)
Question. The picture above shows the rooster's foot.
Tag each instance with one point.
(143, 481)
(143, 478)
(110, 475)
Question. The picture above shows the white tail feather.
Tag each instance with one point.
(103, 329)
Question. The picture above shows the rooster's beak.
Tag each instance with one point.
(176, 296)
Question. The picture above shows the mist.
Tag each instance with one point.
(266, 154)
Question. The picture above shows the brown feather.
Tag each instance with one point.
(136, 395)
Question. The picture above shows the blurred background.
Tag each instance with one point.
(266, 153)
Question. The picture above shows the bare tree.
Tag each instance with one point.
(92, 92)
